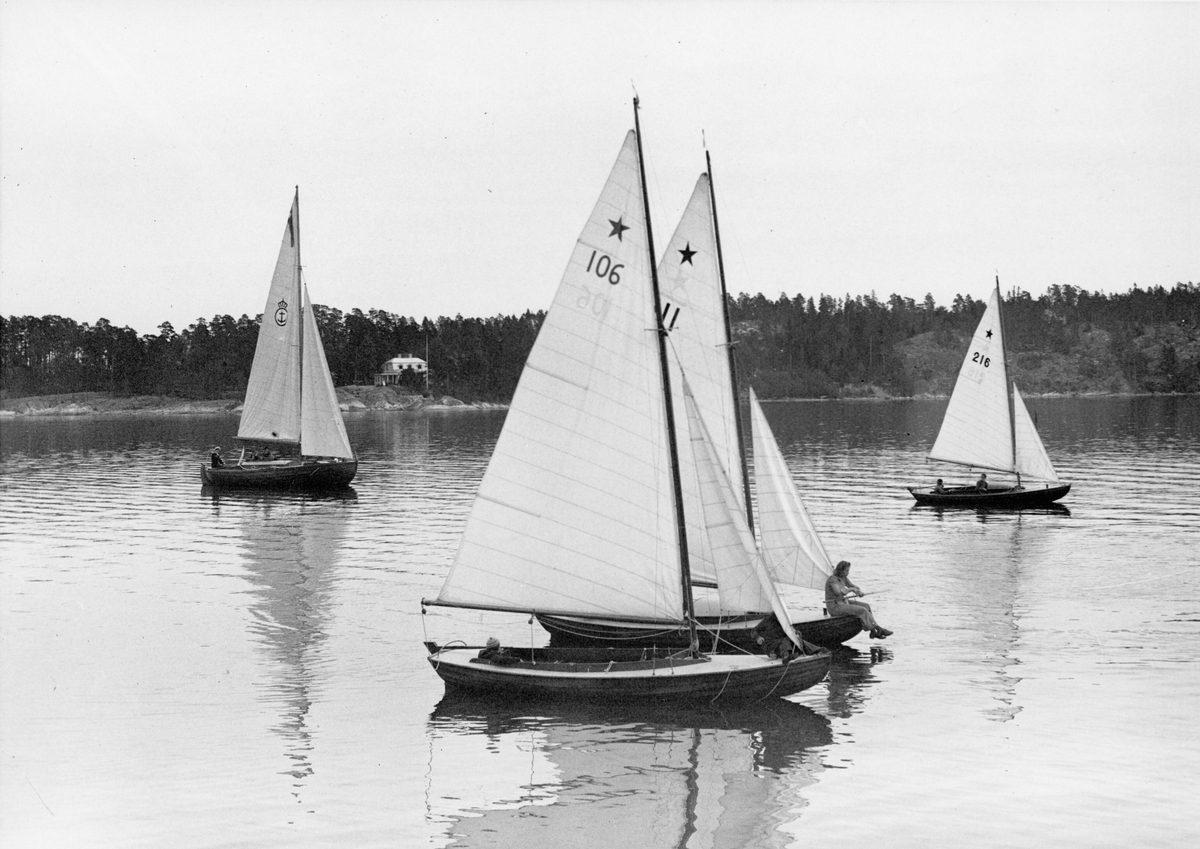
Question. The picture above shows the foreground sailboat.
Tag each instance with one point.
(291, 430)
(696, 313)
(987, 426)
(581, 510)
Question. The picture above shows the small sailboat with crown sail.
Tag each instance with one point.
(696, 310)
(581, 510)
(291, 429)
(987, 426)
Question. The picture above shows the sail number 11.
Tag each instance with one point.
(981, 359)
(604, 267)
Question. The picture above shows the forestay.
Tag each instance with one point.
(788, 538)
(575, 513)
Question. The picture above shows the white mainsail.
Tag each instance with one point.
(788, 538)
(272, 407)
(694, 315)
(290, 396)
(743, 580)
(322, 431)
(1032, 459)
(575, 513)
(977, 428)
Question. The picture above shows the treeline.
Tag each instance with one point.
(1142, 340)
(474, 358)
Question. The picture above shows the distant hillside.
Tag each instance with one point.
(1067, 342)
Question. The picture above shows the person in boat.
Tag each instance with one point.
(214, 457)
(494, 653)
(772, 640)
(939, 486)
(839, 590)
(981, 484)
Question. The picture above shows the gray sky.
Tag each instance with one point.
(448, 154)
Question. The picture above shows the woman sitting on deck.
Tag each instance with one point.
(839, 589)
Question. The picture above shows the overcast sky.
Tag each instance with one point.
(448, 154)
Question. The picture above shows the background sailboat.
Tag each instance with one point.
(696, 318)
(987, 426)
(291, 429)
(581, 510)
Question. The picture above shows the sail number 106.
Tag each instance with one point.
(981, 359)
(604, 267)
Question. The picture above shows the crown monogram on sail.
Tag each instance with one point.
(291, 428)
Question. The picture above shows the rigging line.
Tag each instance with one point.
(1141, 581)
(725, 684)
(777, 683)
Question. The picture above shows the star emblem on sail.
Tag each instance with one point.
(568, 518)
(986, 424)
(789, 542)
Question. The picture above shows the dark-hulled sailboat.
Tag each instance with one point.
(582, 508)
(291, 431)
(986, 426)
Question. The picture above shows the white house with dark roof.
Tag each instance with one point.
(401, 370)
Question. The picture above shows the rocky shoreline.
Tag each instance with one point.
(350, 398)
(355, 399)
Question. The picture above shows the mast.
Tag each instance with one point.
(685, 571)
(1008, 383)
(737, 410)
(300, 301)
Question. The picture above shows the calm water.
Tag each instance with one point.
(247, 671)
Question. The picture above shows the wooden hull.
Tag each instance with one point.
(718, 635)
(298, 474)
(635, 675)
(1013, 497)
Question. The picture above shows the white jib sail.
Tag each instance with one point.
(690, 281)
(575, 513)
(977, 430)
(1032, 459)
(272, 407)
(743, 581)
(789, 540)
(322, 431)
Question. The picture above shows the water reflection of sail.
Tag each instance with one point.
(527, 775)
(289, 545)
(989, 597)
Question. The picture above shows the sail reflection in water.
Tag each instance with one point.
(640, 777)
(289, 548)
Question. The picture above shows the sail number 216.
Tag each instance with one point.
(981, 359)
(604, 267)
